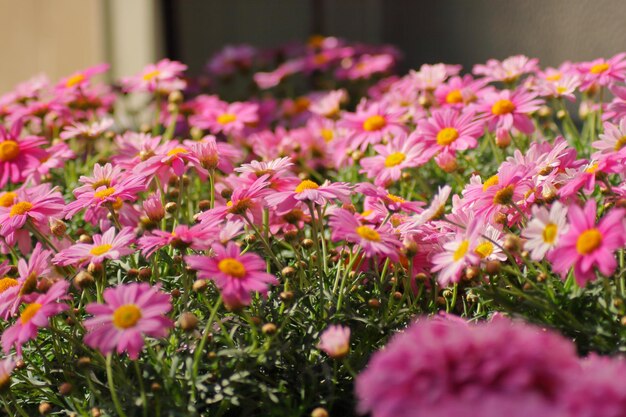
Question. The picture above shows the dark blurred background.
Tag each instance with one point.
(61, 36)
(453, 31)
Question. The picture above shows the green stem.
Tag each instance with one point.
(116, 401)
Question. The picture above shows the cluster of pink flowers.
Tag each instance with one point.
(447, 367)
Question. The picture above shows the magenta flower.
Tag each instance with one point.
(80, 79)
(36, 204)
(400, 153)
(587, 244)
(132, 311)
(444, 368)
(234, 273)
(109, 245)
(375, 241)
(335, 341)
(18, 155)
(34, 316)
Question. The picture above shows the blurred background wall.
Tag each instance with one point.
(61, 36)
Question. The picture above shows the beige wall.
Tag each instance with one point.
(58, 37)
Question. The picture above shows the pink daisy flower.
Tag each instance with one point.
(335, 341)
(18, 155)
(231, 59)
(131, 312)
(230, 119)
(612, 139)
(81, 78)
(163, 77)
(134, 148)
(429, 77)
(309, 192)
(380, 241)
(545, 229)
(603, 72)
(14, 291)
(234, 273)
(506, 109)
(400, 153)
(446, 367)
(450, 130)
(371, 124)
(563, 87)
(197, 237)
(108, 245)
(587, 244)
(508, 70)
(36, 204)
(87, 130)
(458, 92)
(215, 155)
(171, 158)
(108, 187)
(34, 316)
(457, 254)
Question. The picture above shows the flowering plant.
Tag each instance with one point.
(202, 256)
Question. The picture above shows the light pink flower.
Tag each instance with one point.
(335, 341)
(371, 123)
(601, 72)
(163, 77)
(306, 192)
(545, 229)
(109, 245)
(506, 109)
(36, 204)
(131, 312)
(18, 155)
(450, 130)
(197, 237)
(508, 70)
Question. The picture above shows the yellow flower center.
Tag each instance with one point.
(484, 249)
(620, 143)
(460, 251)
(395, 198)
(560, 89)
(29, 312)
(20, 208)
(100, 249)
(226, 118)
(394, 159)
(177, 151)
(126, 316)
(327, 135)
(150, 75)
(588, 241)
(7, 199)
(599, 68)
(447, 135)
(502, 107)
(504, 196)
(549, 233)
(306, 185)
(491, 182)
(102, 194)
(554, 77)
(6, 283)
(100, 183)
(375, 122)
(75, 79)
(368, 233)
(592, 168)
(454, 97)
(232, 267)
(9, 150)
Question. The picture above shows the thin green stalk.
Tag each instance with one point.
(142, 391)
(116, 401)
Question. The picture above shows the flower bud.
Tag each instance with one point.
(188, 321)
(268, 329)
(44, 408)
(307, 243)
(319, 412)
(199, 285)
(492, 267)
(171, 207)
(65, 388)
(288, 271)
(57, 227)
(145, 274)
(83, 280)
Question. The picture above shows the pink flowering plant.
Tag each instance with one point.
(338, 239)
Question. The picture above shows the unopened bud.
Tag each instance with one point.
(373, 303)
(45, 408)
(200, 285)
(288, 271)
(83, 280)
(307, 243)
(492, 267)
(268, 329)
(65, 388)
(57, 227)
(319, 412)
(188, 321)
(171, 207)
(84, 238)
(512, 243)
